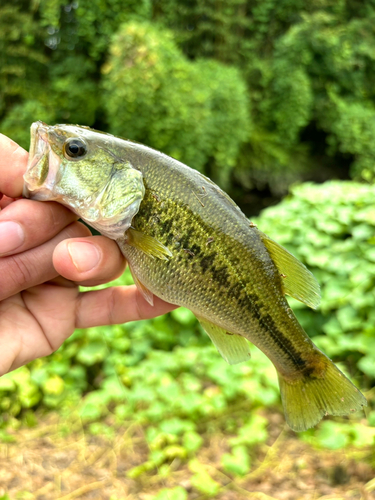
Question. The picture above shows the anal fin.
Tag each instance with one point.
(233, 348)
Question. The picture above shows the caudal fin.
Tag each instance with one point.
(307, 400)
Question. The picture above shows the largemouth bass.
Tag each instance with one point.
(188, 243)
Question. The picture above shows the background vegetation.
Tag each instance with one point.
(260, 95)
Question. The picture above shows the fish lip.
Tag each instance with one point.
(39, 149)
(38, 131)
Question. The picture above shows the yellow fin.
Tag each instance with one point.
(232, 347)
(306, 401)
(147, 295)
(148, 244)
(298, 281)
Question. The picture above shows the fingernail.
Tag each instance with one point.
(85, 256)
(11, 236)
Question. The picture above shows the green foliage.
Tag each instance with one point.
(331, 229)
(257, 94)
(335, 435)
(353, 131)
(50, 58)
(254, 94)
(202, 481)
(25, 113)
(196, 112)
(177, 493)
(342, 103)
(310, 75)
(238, 461)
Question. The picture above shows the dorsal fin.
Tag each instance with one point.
(298, 281)
(233, 348)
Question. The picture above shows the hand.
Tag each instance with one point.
(44, 255)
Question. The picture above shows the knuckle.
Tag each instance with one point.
(20, 270)
(76, 230)
(17, 275)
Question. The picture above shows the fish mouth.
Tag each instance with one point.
(42, 165)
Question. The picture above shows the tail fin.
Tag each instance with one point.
(307, 400)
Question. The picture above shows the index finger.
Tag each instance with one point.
(13, 161)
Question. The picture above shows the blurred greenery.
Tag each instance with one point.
(186, 109)
(258, 95)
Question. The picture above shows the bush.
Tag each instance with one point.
(196, 112)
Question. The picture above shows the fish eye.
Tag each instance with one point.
(74, 148)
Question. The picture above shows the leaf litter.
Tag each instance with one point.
(60, 460)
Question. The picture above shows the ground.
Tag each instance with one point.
(53, 462)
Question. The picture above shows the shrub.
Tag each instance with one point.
(196, 112)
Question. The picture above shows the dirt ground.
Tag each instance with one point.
(50, 463)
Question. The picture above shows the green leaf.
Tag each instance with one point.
(238, 462)
(54, 385)
(332, 435)
(177, 493)
(176, 426)
(7, 384)
(92, 353)
(192, 441)
(202, 481)
(7, 438)
(253, 432)
(183, 316)
(367, 365)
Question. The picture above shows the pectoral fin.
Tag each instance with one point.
(232, 347)
(298, 281)
(149, 245)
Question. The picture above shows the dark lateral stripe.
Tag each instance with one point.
(210, 263)
(270, 328)
(267, 324)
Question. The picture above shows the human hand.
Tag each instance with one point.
(44, 255)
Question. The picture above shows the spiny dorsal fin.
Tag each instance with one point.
(232, 347)
(148, 244)
(298, 281)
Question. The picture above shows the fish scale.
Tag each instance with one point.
(240, 312)
(188, 243)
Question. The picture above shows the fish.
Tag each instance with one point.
(187, 242)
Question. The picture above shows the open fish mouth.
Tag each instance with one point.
(42, 166)
(108, 204)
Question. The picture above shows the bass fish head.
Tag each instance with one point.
(82, 169)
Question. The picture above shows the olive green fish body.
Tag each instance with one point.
(188, 243)
(220, 269)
